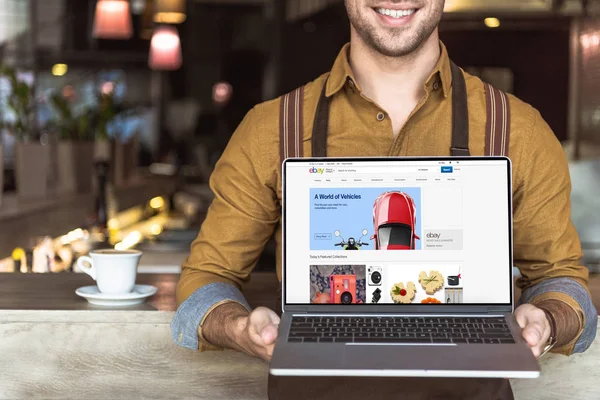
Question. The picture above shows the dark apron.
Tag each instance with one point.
(392, 388)
(460, 129)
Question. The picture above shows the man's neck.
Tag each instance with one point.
(383, 79)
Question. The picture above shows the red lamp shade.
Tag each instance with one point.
(112, 20)
(165, 49)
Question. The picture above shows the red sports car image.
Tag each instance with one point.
(394, 220)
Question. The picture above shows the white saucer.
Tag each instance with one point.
(137, 296)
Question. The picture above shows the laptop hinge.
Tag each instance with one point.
(294, 310)
(498, 310)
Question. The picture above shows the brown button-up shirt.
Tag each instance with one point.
(247, 179)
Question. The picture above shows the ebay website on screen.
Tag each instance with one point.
(397, 232)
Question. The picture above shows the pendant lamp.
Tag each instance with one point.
(138, 6)
(165, 49)
(169, 11)
(112, 20)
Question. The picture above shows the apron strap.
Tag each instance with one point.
(291, 124)
(497, 127)
(291, 138)
(460, 114)
(321, 125)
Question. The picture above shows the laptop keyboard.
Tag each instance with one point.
(400, 330)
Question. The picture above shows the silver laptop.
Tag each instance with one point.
(399, 267)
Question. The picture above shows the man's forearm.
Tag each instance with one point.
(578, 311)
(568, 324)
(222, 326)
(193, 312)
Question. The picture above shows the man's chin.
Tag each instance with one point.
(393, 51)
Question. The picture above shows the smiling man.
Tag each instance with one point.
(389, 93)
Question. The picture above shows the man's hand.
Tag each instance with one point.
(256, 333)
(536, 327)
(231, 326)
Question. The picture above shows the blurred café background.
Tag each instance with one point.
(114, 112)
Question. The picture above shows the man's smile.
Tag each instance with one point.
(395, 14)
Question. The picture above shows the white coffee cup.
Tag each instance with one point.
(113, 270)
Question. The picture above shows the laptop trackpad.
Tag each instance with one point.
(395, 356)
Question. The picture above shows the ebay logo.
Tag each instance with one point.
(314, 170)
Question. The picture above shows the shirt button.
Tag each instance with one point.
(436, 85)
(351, 84)
(380, 116)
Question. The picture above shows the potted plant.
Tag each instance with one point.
(32, 158)
(75, 146)
(125, 146)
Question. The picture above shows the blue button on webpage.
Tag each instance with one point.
(446, 170)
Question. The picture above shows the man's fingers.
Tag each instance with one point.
(274, 317)
(259, 318)
(266, 353)
(521, 318)
(533, 333)
(269, 350)
(536, 328)
(534, 336)
(263, 326)
(269, 334)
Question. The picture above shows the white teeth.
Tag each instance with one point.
(395, 13)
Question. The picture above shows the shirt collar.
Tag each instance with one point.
(341, 72)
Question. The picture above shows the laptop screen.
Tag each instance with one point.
(385, 231)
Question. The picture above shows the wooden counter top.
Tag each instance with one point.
(71, 351)
(57, 292)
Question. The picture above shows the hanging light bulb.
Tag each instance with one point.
(165, 49)
(222, 92)
(112, 20)
(138, 6)
(170, 11)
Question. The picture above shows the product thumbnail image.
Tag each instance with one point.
(403, 294)
(431, 283)
(337, 284)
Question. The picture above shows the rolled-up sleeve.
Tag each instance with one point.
(239, 222)
(576, 296)
(186, 325)
(547, 249)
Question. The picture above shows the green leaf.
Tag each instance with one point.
(20, 102)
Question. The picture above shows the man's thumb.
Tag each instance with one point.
(264, 324)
